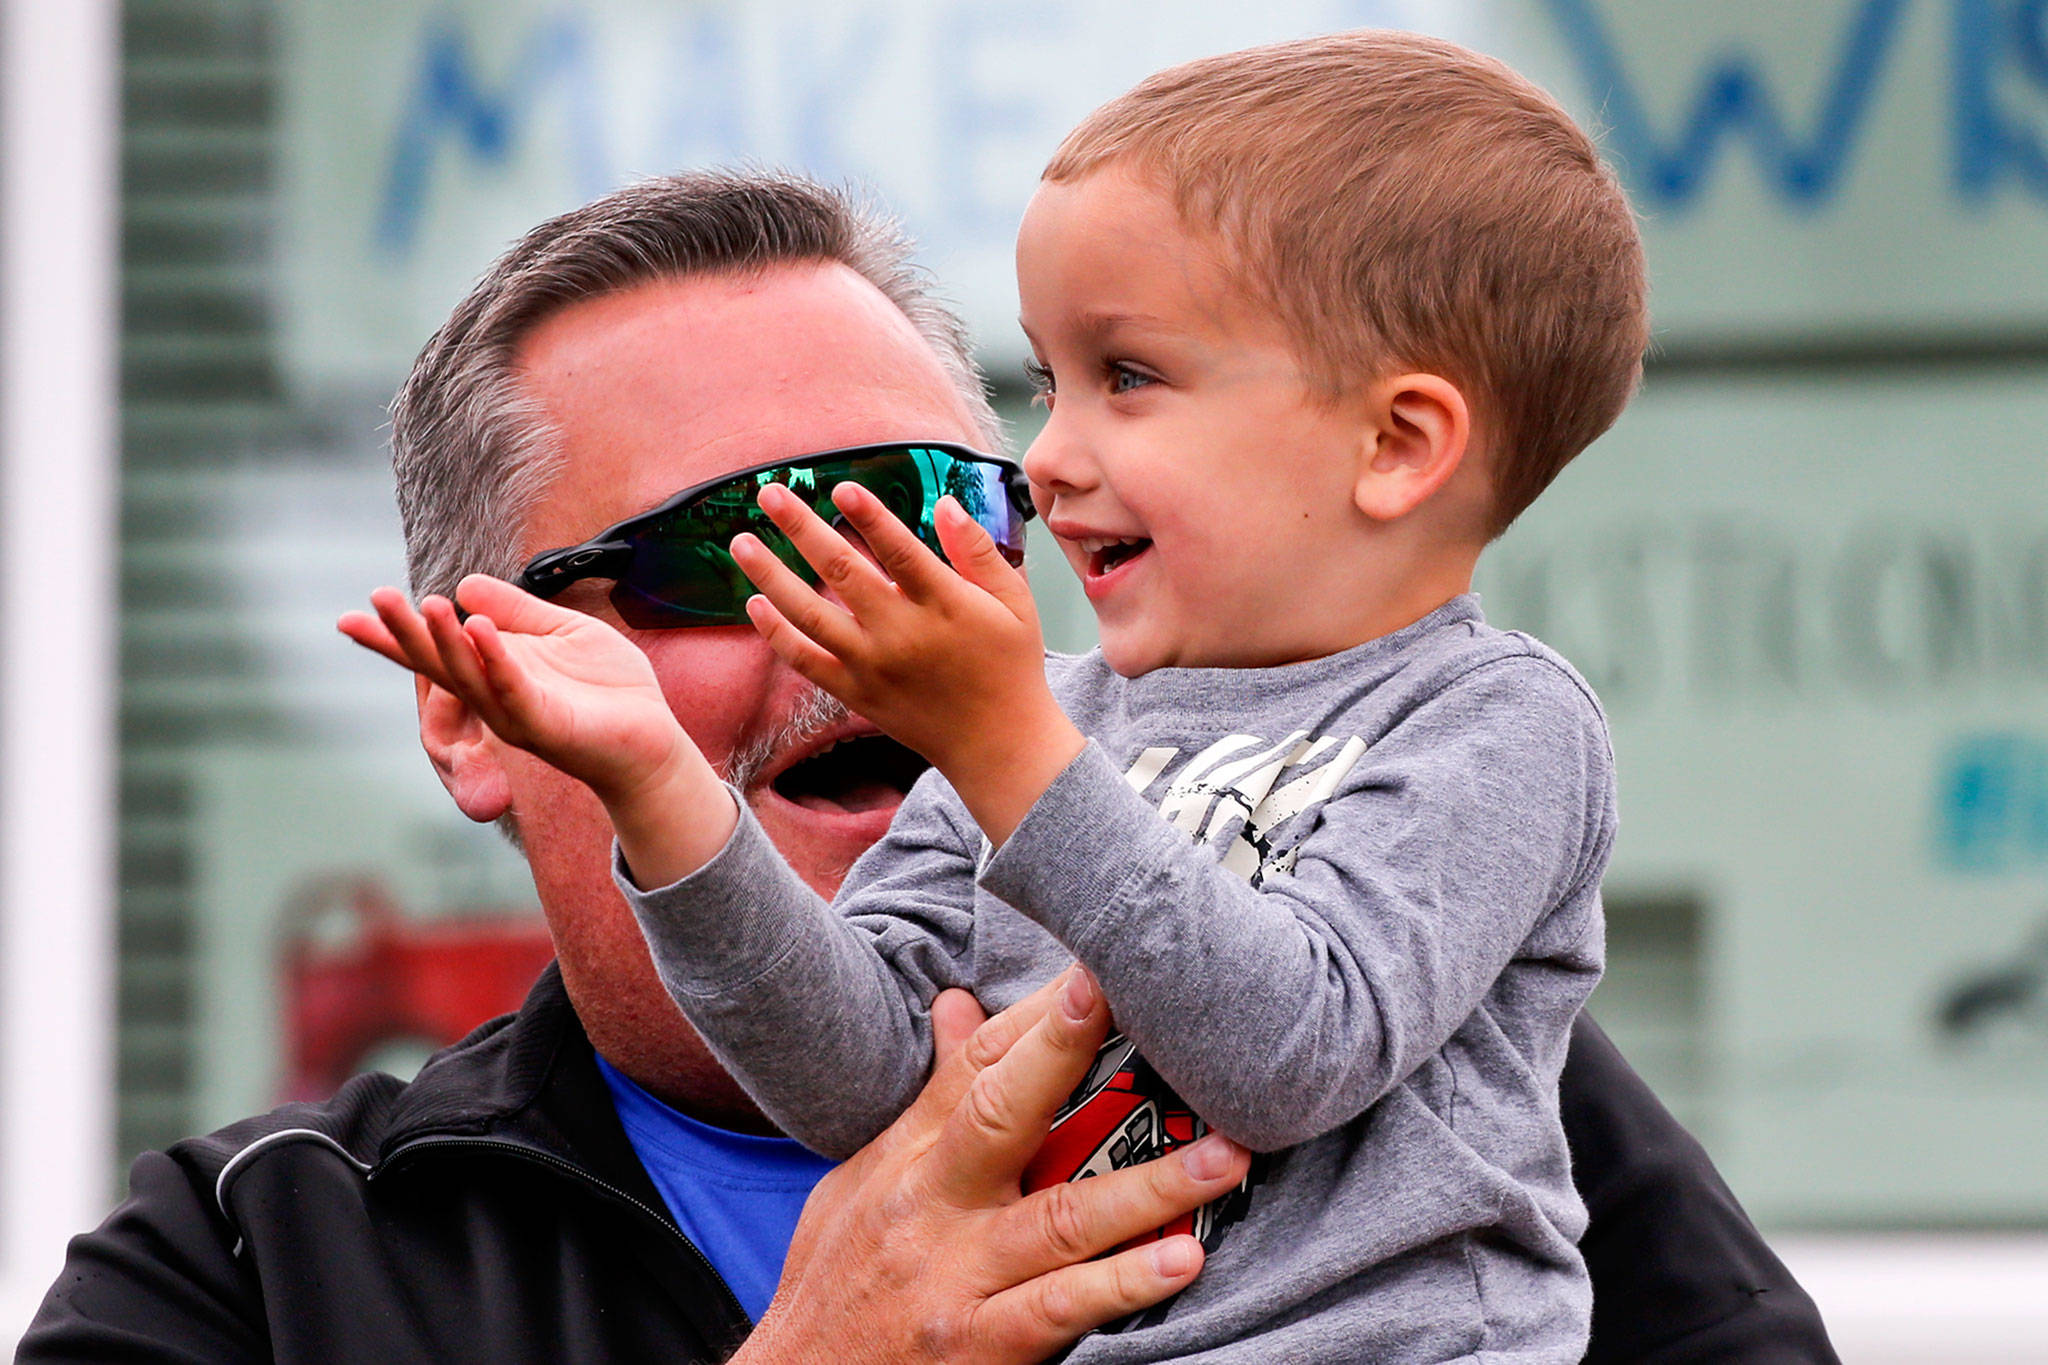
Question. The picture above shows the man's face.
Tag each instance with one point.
(666, 385)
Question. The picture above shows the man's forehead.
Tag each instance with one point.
(668, 384)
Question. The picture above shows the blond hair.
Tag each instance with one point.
(1404, 202)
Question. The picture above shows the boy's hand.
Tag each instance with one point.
(950, 663)
(573, 691)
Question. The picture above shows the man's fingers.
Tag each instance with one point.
(1066, 1223)
(995, 1038)
(957, 1018)
(1001, 1120)
(1038, 1317)
(905, 558)
(794, 600)
(965, 1040)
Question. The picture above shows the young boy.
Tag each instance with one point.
(1314, 323)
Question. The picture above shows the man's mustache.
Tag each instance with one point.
(814, 712)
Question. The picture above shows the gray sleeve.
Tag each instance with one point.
(820, 1011)
(1281, 1011)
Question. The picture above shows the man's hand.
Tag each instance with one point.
(949, 660)
(573, 691)
(921, 1249)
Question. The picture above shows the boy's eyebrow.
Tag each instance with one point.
(1099, 321)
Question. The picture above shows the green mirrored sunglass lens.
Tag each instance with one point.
(682, 573)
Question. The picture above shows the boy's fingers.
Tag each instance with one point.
(905, 558)
(795, 601)
(840, 567)
(409, 632)
(459, 659)
(1062, 1224)
(512, 607)
(1037, 1318)
(511, 687)
(372, 634)
(1003, 1117)
(811, 660)
(971, 550)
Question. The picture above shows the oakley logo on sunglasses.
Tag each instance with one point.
(670, 566)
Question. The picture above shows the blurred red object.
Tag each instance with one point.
(1121, 1114)
(365, 987)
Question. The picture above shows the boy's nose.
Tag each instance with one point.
(1057, 463)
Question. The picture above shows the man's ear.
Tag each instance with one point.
(465, 755)
(1418, 427)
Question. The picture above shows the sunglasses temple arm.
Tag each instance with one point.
(546, 575)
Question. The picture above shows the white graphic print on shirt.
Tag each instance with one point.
(1232, 793)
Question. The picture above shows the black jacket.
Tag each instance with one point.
(493, 1210)
(1680, 1274)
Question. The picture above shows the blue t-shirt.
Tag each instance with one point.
(735, 1195)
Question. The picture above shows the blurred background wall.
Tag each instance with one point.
(1808, 572)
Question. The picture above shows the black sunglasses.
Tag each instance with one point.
(671, 566)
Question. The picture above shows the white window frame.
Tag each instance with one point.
(1914, 1298)
(59, 405)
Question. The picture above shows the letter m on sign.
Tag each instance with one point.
(450, 102)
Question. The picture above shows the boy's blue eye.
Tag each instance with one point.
(1122, 379)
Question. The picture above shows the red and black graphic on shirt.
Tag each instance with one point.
(1122, 1113)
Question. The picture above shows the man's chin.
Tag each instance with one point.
(822, 838)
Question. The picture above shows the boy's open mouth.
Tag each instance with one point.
(1106, 556)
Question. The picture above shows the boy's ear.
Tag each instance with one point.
(465, 755)
(1418, 429)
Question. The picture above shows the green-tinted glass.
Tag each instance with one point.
(681, 573)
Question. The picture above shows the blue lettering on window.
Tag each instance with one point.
(1991, 804)
(1998, 45)
(1734, 98)
(450, 99)
(1997, 110)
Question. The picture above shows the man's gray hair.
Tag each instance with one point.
(471, 453)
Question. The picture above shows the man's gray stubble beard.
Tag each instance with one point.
(815, 712)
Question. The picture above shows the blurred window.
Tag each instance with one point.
(1808, 572)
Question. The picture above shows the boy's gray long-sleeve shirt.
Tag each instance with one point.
(1347, 908)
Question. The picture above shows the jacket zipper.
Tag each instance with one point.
(571, 1169)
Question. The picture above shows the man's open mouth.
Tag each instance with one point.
(864, 773)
